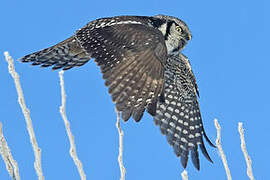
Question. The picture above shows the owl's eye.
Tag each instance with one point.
(179, 29)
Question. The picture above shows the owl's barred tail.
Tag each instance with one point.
(66, 54)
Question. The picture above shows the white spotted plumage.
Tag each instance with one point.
(187, 131)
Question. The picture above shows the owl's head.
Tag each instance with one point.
(175, 31)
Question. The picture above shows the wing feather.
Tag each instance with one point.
(136, 93)
(66, 54)
(127, 55)
(158, 87)
(179, 116)
(123, 51)
(141, 101)
(132, 73)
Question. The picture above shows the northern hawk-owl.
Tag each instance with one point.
(143, 67)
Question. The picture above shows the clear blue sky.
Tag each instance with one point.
(229, 54)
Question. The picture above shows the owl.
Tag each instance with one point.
(143, 67)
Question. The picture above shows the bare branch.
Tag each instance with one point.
(11, 164)
(223, 157)
(72, 150)
(184, 175)
(26, 113)
(244, 149)
(120, 156)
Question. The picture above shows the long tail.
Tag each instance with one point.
(66, 54)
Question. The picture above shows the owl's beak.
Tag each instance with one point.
(189, 36)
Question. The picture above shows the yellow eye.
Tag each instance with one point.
(179, 29)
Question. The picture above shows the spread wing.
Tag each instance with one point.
(179, 117)
(131, 58)
(66, 54)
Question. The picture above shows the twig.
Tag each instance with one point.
(11, 164)
(244, 149)
(184, 175)
(120, 155)
(72, 150)
(223, 157)
(26, 113)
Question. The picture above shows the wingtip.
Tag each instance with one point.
(125, 115)
(184, 159)
(205, 153)
(24, 59)
(20, 59)
(195, 157)
(208, 140)
(137, 114)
